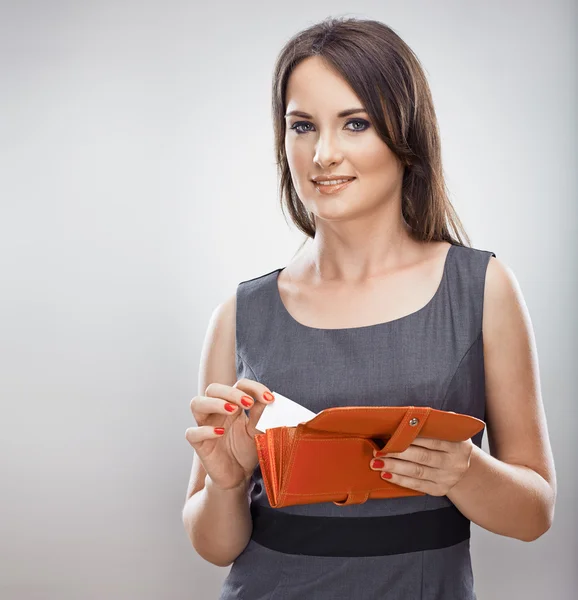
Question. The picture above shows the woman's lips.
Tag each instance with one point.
(331, 189)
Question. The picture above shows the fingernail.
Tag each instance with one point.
(386, 475)
(268, 396)
(230, 407)
(378, 464)
(219, 430)
(246, 401)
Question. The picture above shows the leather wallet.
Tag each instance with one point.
(327, 459)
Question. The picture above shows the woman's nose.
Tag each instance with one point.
(327, 152)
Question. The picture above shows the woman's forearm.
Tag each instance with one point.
(511, 500)
(219, 522)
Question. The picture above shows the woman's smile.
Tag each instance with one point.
(331, 188)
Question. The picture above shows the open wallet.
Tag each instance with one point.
(327, 459)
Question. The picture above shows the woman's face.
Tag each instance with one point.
(322, 143)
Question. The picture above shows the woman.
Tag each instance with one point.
(384, 307)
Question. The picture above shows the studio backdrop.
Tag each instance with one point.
(138, 188)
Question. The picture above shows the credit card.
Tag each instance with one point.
(283, 412)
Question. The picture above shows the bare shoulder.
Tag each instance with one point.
(218, 352)
(502, 285)
(506, 324)
(224, 317)
(505, 313)
(517, 429)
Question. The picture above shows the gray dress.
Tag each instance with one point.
(415, 547)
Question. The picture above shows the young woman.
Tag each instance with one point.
(385, 306)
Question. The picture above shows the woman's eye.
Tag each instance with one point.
(361, 125)
(299, 124)
(364, 124)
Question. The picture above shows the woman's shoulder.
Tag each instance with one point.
(473, 262)
(255, 292)
(494, 279)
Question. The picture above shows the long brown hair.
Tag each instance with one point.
(388, 78)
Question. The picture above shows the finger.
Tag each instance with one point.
(420, 485)
(255, 391)
(205, 405)
(254, 416)
(229, 400)
(264, 397)
(259, 392)
(196, 435)
(421, 455)
(407, 468)
(434, 444)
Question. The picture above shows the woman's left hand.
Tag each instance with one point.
(428, 465)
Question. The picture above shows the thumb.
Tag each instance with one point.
(254, 415)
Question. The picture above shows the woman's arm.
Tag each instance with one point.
(218, 522)
(512, 491)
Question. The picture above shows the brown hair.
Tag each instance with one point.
(388, 78)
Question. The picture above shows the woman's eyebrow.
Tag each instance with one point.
(343, 113)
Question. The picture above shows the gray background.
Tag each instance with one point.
(138, 188)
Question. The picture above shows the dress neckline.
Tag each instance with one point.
(289, 317)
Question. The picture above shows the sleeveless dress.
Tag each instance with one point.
(383, 549)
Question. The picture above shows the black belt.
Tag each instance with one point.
(358, 536)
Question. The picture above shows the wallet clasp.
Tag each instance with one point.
(406, 432)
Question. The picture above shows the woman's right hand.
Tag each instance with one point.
(231, 457)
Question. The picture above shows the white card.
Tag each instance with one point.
(283, 412)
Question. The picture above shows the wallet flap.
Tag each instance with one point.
(410, 426)
(381, 422)
(362, 421)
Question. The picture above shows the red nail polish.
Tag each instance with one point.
(219, 430)
(268, 396)
(378, 464)
(386, 475)
(246, 401)
(230, 407)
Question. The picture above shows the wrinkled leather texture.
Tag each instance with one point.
(327, 459)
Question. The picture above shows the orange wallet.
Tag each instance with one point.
(327, 458)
